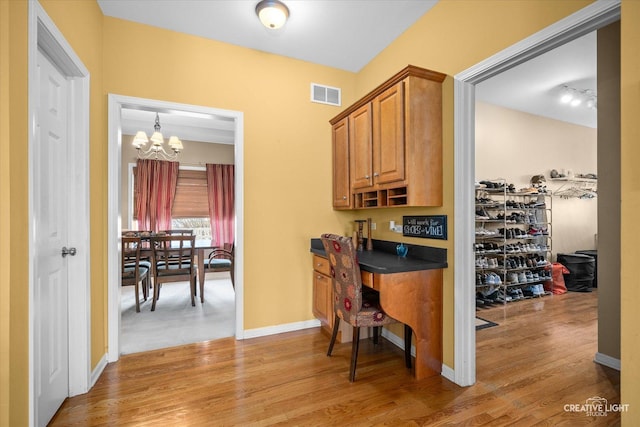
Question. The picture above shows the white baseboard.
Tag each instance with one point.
(609, 361)
(279, 329)
(448, 373)
(95, 374)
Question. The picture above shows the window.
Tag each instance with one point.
(191, 204)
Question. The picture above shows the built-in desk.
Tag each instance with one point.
(410, 292)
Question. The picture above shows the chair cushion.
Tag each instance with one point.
(370, 314)
(217, 263)
(145, 264)
(129, 271)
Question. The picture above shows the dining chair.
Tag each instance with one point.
(173, 261)
(133, 272)
(220, 259)
(350, 303)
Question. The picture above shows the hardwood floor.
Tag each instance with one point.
(537, 360)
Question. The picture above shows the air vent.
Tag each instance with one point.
(325, 94)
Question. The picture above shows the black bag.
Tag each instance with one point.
(581, 271)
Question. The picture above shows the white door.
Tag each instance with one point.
(50, 309)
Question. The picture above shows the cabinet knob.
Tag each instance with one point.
(344, 197)
(367, 177)
(375, 174)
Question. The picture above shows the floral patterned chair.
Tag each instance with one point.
(351, 304)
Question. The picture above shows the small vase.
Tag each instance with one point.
(402, 250)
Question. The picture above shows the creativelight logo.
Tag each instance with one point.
(596, 407)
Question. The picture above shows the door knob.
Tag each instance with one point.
(68, 251)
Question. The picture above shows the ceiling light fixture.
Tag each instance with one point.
(272, 13)
(156, 150)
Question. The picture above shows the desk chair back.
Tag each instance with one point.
(350, 303)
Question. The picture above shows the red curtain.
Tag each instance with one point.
(220, 185)
(156, 182)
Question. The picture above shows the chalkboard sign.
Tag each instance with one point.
(428, 227)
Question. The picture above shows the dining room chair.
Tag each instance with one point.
(173, 261)
(134, 273)
(220, 259)
(352, 304)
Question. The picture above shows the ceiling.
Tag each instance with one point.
(535, 86)
(316, 32)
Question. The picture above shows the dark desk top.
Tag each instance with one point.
(383, 258)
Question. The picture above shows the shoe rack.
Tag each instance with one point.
(512, 242)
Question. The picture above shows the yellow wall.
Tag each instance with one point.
(630, 226)
(14, 263)
(287, 149)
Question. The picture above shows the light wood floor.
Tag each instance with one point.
(529, 367)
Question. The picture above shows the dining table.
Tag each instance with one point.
(201, 245)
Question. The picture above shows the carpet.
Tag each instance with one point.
(483, 323)
(174, 321)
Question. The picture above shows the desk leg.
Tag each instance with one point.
(201, 272)
(415, 299)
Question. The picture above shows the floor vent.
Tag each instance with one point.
(325, 94)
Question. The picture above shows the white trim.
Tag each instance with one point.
(590, 18)
(44, 34)
(448, 373)
(116, 103)
(95, 374)
(280, 329)
(464, 268)
(609, 361)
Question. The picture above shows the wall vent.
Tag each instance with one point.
(326, 94)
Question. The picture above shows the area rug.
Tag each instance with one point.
(175, 321)
(483, 323)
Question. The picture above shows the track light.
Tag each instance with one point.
(576, 97)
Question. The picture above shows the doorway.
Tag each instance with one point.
(116, 104)
(47, 45)
(588, 19)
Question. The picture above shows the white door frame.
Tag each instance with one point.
(44, 35)
(586, 20)
(116, 103)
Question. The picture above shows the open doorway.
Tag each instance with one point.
(592, 17)
(117, 104)
(536, 162)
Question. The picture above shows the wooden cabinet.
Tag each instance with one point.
(388, 136)
(341, 170)
(322, 292)
(360, 147)
(394, 142)
(322, 304)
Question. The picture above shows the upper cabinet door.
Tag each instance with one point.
(360, 147)
(388, 136)
(340, 151)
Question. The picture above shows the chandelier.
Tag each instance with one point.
(157, 150)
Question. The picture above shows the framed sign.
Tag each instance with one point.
(428, 226)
